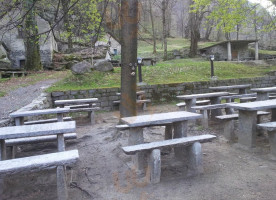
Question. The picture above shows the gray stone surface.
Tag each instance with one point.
(37, 163)
(103, 66)
(264, 90)
(204, 95)
(130, 150)
(155, 166)
(39, 112)
(81, 68)
(76, 101)
(62, 192)
(195, 165)
(257, 105)
(160, 118)
(37, 130)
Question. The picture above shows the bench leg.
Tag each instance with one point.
(2, 150)
(91, 116)
(272, 142)
(168, 132)
(155, 166)
(144, 106)
(136, 137)
(273, 115)
(229, 111)
(1, 188)
(189, 104)
(195, 166)
(180, 130)
(61, 183)
(19, 121)
(229, 130)
(204, 120)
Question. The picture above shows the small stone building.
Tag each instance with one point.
(236, 50)
(13, 40)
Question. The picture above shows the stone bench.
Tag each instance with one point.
(42, 162)
(231, 98)
(80, 105)
(270, 127)
(142, 102)
(247, 99)
(152, 150)
(44, 121)
(228, 123)
(182, 105)
(204, 111)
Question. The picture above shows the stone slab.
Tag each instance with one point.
(269, 126)
(14, 132)
(229, 87)
(39, 112)
(159, 118)
(44, 121)
(204, 95)
(76, 101)
(84, 109)
(253, 106)
(130, 150)
(239, 96)
(210, 107)
(37, 163)
(264, 90)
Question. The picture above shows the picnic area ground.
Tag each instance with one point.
(103, 172)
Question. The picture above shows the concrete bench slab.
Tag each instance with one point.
(138, 101)
(39, 112)
(44, 121)
(270, 127)
(76, 101)
(78, 106)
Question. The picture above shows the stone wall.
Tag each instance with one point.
(162, 93)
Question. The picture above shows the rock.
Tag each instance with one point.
(81, 68)
(5, 64)
(103, 66)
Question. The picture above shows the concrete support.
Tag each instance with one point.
(204, 120)
(256, 50)
(61, 183)
(91, 116)
(155, 166)
(2, 150)
(195, 165)
(136, 137)
(273, 115)
(215, 112)
(229, 111)
(190, 103)
(168, 132)
(262, 96)
(180, 130)
(272, 142)
(60, 117)
(61, 143)
(229, 51)
(228, 131)
(19, 121)
(247, 128)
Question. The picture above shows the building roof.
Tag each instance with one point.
(232, 41)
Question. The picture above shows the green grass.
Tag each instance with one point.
(2, 94)
(174, 71)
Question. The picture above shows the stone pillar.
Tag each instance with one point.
(168, 132)
(262, 96)
(247, 128)
(180, 130)
(229, 128)
(256, 50)
(2, 150)
(155, 166)
(195, 165)
(229, 51)
(204, 119)
(272, 142)
(61, 183)
(273, 115)
(190, 103)
(215, 112)
(136, 137)
(19, 121)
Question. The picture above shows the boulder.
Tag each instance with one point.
(5, 63)
(103, 66)
(81, 68)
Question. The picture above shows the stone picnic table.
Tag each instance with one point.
(214, 97)
(263, 93)
(241, 88)
(14, 132)
(19, 116)
(179, 121)
(248, 119)
(62, 103)
(139, 94)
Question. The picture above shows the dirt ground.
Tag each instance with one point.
(104, 171)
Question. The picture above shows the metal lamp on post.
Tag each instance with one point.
(139, 61)
(212, 58)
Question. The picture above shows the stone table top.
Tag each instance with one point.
(39, 112)
(229, 87)
(264, 90)
(13, 132)
(204, 95)
(76, 101)
(159, 118)
(254, 106)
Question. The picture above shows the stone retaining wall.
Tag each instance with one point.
(162, 92)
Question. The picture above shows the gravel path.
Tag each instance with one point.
(22, 96)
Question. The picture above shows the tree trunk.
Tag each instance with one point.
(152, 26)
(65, 7)
(164, 7)
(129, 23)
(195, 35)
(33, 61)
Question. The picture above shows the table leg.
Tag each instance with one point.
(247, 128)
(61, 143)
(242, 91)
(273, 115)
(59, 117)
(215, 112)
(2, 150)
(168, 132)
(262, 96)
(136, 137)
(189, 104)
(272, 141)
(229, 111)
(180, 130)
(19, 121)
